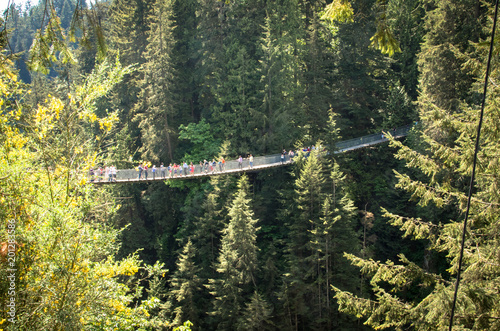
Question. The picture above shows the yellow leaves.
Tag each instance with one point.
(3, 87)
(117, 305)
(128, 268)
(340, 11)
(92, 117)
(83, 181)
(107, 123)
(110, 268)
(65, 229)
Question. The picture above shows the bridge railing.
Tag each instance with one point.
(273, 159)
(133, 174)
(371, 139)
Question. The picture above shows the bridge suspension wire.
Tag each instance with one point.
(474, 162)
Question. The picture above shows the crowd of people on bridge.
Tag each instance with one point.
(179, 170)
(147, 171)
(108, 173)
(183, 169)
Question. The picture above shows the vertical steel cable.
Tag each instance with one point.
(471, 185)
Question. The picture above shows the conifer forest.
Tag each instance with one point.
(402, 235)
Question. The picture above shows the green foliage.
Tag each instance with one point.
(339, 10)
(260, 76)
(450, 27)
(320, 231)
(66, 273)
(185, 286)
(237, 263)
(445, 159)
(257, 315)
(155, 109)
(201, 138)
(383, 39)
(184, 327)
(50, 45)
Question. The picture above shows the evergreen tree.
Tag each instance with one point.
(406, 21)
(298, 293)
(185, 286)
(279, 67)
(257, 315)
(237, 262)
(186, 58)
(450, 26)
(229, 32)
(408, 296)
(333, 235)
(318, 70)
(155, 107)
(127, 33)
(361, 75)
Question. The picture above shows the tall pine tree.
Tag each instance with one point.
(156, 107)
(405, 294)
(237, 263)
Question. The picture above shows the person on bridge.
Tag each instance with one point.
(185, 166)
(113, 173)
(223, 164)
(138, 168)
(240, 162)
(170, 170)
(191, 168)
(99, 173)
(162, 170)
(146, 171)
(205, 164)
(250, 160)
(213, 166)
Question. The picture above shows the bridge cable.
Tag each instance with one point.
(471, 185)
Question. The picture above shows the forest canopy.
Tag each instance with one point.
(368, 239)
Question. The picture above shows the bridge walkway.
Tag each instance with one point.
(260, 162)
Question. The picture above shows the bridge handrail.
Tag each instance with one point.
(272, 159)
(397, 132)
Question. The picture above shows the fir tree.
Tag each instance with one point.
(156, 105)
(301, 259)
(450, 26)
(257, 315)
(237, 262)
(185, 286)
(279, 68)
(441, 164)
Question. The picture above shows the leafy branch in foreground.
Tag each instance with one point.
(66, 276)
(341, 11)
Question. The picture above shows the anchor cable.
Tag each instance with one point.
(471, 185)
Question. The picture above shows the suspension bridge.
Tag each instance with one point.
(259, 162)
